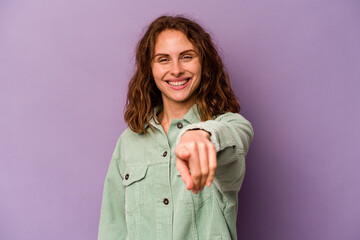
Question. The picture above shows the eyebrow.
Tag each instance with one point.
(186, 51)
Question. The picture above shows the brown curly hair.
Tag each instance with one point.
(214, 95)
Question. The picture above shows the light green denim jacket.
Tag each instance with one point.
(145, 198)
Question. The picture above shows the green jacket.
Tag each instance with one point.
(145, 198)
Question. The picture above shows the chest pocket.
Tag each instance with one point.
(133, 174)
(135, 182)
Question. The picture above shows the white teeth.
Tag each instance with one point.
(178, 83)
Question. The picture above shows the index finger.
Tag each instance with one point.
(185, 174)
(182, 166)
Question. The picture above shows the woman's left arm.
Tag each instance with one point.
(223, 143)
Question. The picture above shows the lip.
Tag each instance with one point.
(177, 80)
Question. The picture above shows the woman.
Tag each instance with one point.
(177, 170)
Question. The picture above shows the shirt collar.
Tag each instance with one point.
(192, 116)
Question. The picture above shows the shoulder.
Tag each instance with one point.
(128, 133)
(133, 147)
(130, 140)
(126, 136)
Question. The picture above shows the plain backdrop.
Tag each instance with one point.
(294, 65)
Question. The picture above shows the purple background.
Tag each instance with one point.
(295, 66)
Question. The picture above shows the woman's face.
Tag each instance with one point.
(176, 68)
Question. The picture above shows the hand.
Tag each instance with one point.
(196, 159)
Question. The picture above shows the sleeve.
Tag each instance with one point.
(231, 135)
(112, 223)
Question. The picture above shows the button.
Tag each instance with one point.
(126, 176)
(166, 201)
(179, 125)
(164, 154)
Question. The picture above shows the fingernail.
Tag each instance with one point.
(208, 184)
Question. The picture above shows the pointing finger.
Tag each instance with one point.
(182, 152)
(183, 169)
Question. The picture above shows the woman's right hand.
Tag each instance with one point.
(196, 159)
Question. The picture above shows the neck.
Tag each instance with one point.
(171, 111)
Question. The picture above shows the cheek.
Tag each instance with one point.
(196, 68)
(198, 73)
(158, 73)
(157, 78)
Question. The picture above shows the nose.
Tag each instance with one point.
(177, 68)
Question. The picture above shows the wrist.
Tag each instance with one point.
(201, 131)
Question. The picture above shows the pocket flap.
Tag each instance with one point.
(134, 173)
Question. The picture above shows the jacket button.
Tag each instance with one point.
(164, 154)
(179, 125)
(166, 201)
(126, 176)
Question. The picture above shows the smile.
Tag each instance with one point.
(178, 83)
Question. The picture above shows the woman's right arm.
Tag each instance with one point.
(112, 219)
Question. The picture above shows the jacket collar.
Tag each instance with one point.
(192, 116)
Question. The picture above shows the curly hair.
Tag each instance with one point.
(214, 95)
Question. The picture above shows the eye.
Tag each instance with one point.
(163, 59)
(187, 57)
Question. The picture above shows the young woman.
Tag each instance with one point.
(177, 170)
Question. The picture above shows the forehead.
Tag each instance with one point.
(169, 41)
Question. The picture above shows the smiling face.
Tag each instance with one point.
(176, 68)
